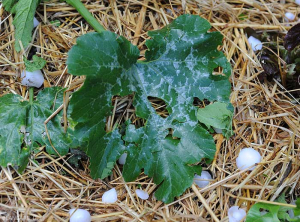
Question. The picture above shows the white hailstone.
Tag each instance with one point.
(110, 196)
(122, 159)
(288, 16)
(264, 212)
(80, 215)
(142, 194)
(247, 157)
(203, 179)
(27, 139)
(255, 43)
(217, 130)
(291, 211)
(236, 214)
(297, 2)
(35, 22)
(35, 78)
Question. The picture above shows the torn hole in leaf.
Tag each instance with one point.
(218, 71)
(122, 111)
(200, 103)
(76, 157)
(32, 52)
(160, 106)
(26, 138)
(263, 211)
(62, 123)
(23, 129)
(171, 131)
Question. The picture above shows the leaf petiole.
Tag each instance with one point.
(77, 4)
(31, 95)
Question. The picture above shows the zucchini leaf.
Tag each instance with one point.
(23, 11)
(179, 63)
(22, 127)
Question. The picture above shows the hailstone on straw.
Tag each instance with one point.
(110, 196)
(203, 179)
(35, 78)
(247, 157)
(80, 215)
(288, 16)
(122, 159)
(217, 130)
(142, 194)
(236, 214)
(255, 43)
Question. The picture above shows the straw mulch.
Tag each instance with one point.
(266, 117)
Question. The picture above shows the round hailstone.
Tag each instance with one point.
(247, 157)
(236, 214)
(289, 16)
(297, 2)
(122, 159)
(255, 43)
(203, 179)
(217, 130)
(35, 78)
(80, 215)
(35, 22)
(142, 194)
(291, 212)
(110, 196)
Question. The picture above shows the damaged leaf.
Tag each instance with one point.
(22, 127)
(37, 63)
(23, 11)
(179, 64)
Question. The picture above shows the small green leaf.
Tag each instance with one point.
(263, 212)
(242, 16)
(22, 128)
(55, 22)
(217, 115)
(37, 63)
(179, 63)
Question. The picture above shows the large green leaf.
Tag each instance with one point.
(22, 126)
(24, 11)
(179, 63)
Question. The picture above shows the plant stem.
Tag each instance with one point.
(86, 15)
(31, 95)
